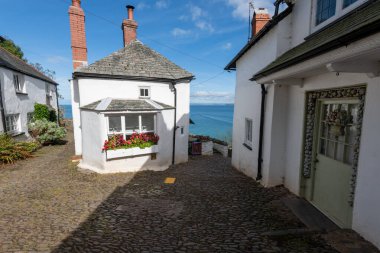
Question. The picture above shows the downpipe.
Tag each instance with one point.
(175, 127)
(261, 137)
(2, 111)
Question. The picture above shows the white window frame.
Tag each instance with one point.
(248, 133)
(12, 123)
(339, 12)
(29, 117)
(144, 88)
(126, 133)
(19, 83)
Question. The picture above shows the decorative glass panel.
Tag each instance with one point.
(147, 122)
(132, 123)
(114, 123)
(325, 10)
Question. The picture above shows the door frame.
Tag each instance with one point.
(310, 131)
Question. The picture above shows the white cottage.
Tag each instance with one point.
(307, 107)
(132, 91)
(22, 86)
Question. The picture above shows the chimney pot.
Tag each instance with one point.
(76, 3)
(130, 9)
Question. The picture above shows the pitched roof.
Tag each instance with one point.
(268, 27)
(9, 61)
(112, 105)
(355, 25)
(135, 61)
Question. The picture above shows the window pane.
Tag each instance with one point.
(146, 92)
(141, 92)
(132, 123)
(114, 123)
(348, 2)
(147, 122)
(325, 10)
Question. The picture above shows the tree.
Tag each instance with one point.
(46, 72)
(11, 47)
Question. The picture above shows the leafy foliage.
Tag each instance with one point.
(11, 47)
(11, 151)
(46, 72)
(41, 112)
(47, 132)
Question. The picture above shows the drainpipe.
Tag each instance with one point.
(2, 111)
(261, 137)
(57, 97)
(174, 89)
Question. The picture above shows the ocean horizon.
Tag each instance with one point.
(214, 120)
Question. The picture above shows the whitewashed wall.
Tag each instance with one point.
(89, 90)
(24, 103)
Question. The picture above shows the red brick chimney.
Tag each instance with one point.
(78, 34)
(129, 27)
(260, 18)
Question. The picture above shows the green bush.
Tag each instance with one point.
(11, 151)
(47, 132)
(41, 112)
(53, 116)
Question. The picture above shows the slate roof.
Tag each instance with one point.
(112, 105)
(355, 25)
(9, 61)
(135, 61)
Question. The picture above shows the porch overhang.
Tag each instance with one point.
(362, 56)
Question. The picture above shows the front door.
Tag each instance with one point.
(333, 159)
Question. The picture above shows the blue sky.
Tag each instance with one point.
(201, 36)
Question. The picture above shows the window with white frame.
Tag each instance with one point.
(144, 92)
(29, 117)
(18, 82)
(128, 124)
(12, 123)
(325, 10)
(248, 132)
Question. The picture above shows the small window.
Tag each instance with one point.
(248, 132)
(132, 123)
(114, 124)
(29, 117)
(144, 92)
(12, 123)
(18, 83)
(147, 122)
(347, 3)
(325, 10)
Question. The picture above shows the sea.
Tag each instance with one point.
(212, 120)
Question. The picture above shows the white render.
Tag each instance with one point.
(285, 108)
(90, 127)
(22, 104)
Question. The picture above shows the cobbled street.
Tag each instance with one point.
(49, 206)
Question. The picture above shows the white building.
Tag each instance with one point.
(21, 87)
(307, 108)
(132, 90)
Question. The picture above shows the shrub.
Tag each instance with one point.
(47, 132)
(53, 115)
(41, 112)
(10, 150)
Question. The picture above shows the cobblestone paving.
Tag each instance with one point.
(48, 206)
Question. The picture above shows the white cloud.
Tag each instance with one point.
(211, 94)
(227, 46)
(178, 32)
(204, 26)
(162, 4)
(196, 12)
(241, 7)
(55, 59)
(142, 6)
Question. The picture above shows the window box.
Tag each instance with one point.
(129, 152)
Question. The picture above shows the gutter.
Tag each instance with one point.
(175, 127)
(2, 111)
(261, 137)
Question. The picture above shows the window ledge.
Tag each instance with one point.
(130, 152)
(21, 93)
(15, 134)
(247, 146)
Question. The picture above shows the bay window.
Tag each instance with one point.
(128, 124)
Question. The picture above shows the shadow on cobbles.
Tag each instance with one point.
(210, 208)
